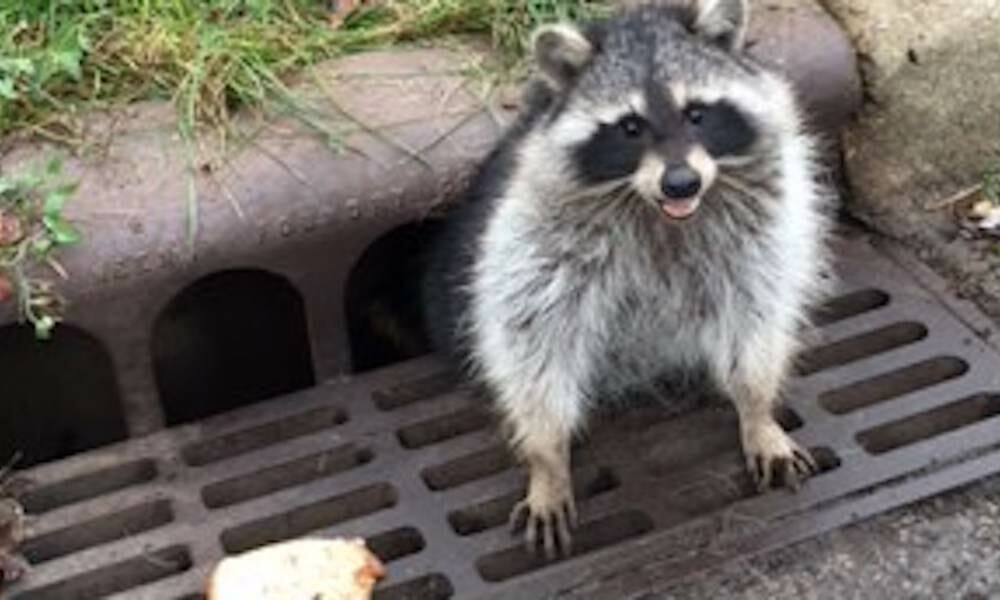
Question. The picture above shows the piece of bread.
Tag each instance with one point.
(306, 569)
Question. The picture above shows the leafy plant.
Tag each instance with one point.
(33, 230)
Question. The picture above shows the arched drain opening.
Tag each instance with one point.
(58, 397)
(383, 299)
(228, 340)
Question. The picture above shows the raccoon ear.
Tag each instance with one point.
(561, 52)
(723, 21)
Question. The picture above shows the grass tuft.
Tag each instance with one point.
(59, 58)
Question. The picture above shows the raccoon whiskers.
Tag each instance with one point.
(608, 189)
(737, 185)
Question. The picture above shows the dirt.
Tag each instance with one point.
(928, 128)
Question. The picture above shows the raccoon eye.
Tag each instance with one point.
(632, 125)
(695, 114)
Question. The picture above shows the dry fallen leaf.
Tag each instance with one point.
(11, 536)
(341, 9)
(11, 229)
(978, 215)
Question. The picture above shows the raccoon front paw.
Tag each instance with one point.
(771, 452)
(546, 514)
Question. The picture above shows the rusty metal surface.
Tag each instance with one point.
(406, 459)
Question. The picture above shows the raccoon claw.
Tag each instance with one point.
(771, 453)
(550, 525)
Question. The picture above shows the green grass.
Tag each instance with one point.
(59, 58)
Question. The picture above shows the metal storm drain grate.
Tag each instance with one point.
(898, 398)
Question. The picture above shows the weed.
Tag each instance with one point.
(991, 186)
(32, 231)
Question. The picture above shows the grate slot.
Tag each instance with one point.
(787, 418)
(718, 490)
(430, 587)
(589, 483)
(119, 525)
(861, 346)
(279, 477)
(931, 423)
(591, 536)
(91, 485)
(443, 428)
(849, 305)
(415, 390)
(470, 467)
(305, 519)
(116, 578)
(397, 543)
(890, 385)
(261, 436)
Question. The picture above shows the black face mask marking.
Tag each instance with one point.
(614, 151)
(721, 128)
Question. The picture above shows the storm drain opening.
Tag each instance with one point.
(382, 300)
(230, 339)
(41, 416)
(409, 458)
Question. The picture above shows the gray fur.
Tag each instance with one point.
(579, 291)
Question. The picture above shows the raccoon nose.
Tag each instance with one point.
(680, 182)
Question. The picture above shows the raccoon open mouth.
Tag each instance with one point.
(680, 209)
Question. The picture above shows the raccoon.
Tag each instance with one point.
(655, 208)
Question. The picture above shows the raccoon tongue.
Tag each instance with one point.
(680, 209)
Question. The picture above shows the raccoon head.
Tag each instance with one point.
(659, 100)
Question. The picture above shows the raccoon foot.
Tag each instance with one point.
(771, 452)
(546, 514)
